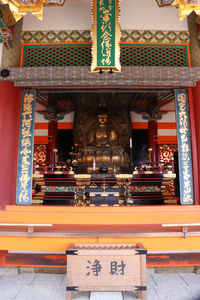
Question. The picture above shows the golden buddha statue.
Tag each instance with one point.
(102, 149)
(102, 135)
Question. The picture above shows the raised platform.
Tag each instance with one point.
(154, 185)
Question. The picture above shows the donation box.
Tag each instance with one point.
(106, 267)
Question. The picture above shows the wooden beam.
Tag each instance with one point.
(173, 260)
(59, 260)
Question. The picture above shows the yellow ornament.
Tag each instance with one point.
(19, 8)
(185, 7)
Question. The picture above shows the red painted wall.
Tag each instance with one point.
(10, 104)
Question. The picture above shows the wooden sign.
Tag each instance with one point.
(105, 36)
(106, 267)
(25, 152)
(184, 147)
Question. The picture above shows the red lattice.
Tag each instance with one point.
(167, 155)
(167, 152)
(40, 154)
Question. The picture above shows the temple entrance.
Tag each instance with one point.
(105, 147)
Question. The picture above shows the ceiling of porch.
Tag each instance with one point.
(136, 100)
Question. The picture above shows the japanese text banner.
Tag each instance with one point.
(105, 35)
(25, 151)
(184, 147)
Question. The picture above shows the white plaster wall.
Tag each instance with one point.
(135, 14)
(68, 118)
(40, 118)
(137, 118)
(170, 117)
(74, 15)
(166, 132)
(146, 14)
(41, 132)
(1, 52)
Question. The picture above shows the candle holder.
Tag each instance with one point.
(94, 166)
(131, 159)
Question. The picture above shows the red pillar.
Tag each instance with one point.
(53, 142)
(10, 105)
(152, 139)
(194, 105)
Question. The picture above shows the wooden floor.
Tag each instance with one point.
(26, 286)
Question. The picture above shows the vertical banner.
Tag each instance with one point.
(184, 147)
(25, 152)
(106, 34)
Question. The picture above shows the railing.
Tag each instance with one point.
(52, 168)
(149, 183)
(30, 226)
(155, 167)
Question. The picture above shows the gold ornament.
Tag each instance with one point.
(185, 7)
(19, 8)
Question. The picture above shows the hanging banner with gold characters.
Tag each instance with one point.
(106, 34)
(25, 151)
(184, 147)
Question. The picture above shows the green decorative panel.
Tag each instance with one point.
(56, 55)
(128, 36)
(56, 36)
(154, 55)
(80, 55)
